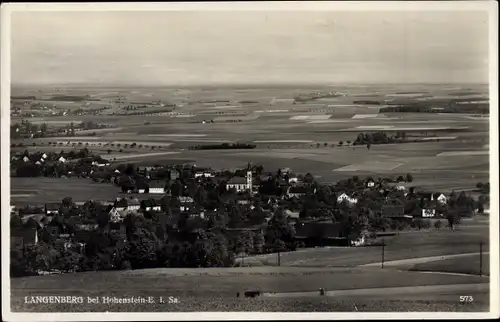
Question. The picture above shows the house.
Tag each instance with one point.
(370, 183)
(156, 187)
(344, 197)
(26, 159)
(293, 180)
(315, 234)
(52, 209)
(86, 227)
(44, 156)
(115, 215)
(442, 199)
(296, 191)
(186, 203)
(203, 174)
(428, 213)
(23, 237)
(293, 216)
(61, 159)
(174, 174)
(121, 204)
(142, 187)
(241, 184)
(150, 205)
(133, 205)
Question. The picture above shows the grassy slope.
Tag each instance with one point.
(211, 289)
(465, 265)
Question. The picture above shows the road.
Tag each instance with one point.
(419, 260)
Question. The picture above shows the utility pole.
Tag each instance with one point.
(383, 251)
(481, 258)
(279, 259)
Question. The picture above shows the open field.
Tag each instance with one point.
(42, 190)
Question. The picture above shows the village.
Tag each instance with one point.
(185, 216)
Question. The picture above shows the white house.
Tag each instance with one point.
(115, 216)
(370, 183)
(240, 184)
(38, 162)
(400, 187)
(442, 199)
(44, 156)
(345, 197)
(205, 174)
(428, 213)
(156, 188)
(133, 205)
(62, 159)
(186, 203)
(26, 159)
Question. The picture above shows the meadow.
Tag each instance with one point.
(213, 289)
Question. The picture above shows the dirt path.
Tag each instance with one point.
(419, 260)
(394, 291)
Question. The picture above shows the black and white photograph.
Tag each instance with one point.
(267, 160)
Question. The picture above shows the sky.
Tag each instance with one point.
(231, 47)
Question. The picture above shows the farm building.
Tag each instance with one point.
(321, 234)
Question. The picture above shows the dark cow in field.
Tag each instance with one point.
(252, 293)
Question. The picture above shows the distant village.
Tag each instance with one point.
(186, 216)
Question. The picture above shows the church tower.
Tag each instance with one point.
(249, 181)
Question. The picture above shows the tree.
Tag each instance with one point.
(280, 232)
(308, 178)
(409, 177)
(348, 142)
(341, 143)
(67, 202)
(438, 224)
(368, 146)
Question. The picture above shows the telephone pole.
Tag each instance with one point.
(481, 258)
(383, 252)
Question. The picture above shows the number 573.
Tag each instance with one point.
(466, 299)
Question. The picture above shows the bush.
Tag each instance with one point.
(126, 265)
(438, 224)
